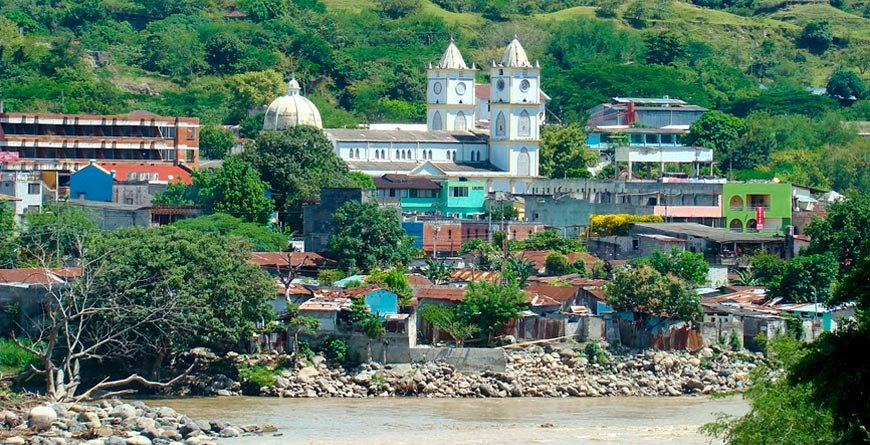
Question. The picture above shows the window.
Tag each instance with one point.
(635, 244)
(636, 139)
(424, 154)
(449, 234)
(191, 134)
(459, 123)
(500, 124)
(459, 192)
(377, 154)
(453, 156)
(34, 189)
(357, 153)
(524, 128)
(652, 139)
(668, 139)
(167, 132)
(350, 155)
(524, 163)
(430, 154)
(397, 154)
(436, 121)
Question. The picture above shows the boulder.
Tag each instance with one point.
(124, 411)
(9, 418)
(230, 431)
(306, 374)
(14, 440)
(137, 440)
(41, 417)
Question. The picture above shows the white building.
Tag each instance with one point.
(457, 143)
(26, 188)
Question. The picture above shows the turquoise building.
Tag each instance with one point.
(461, 199)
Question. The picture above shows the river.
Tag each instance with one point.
(418, 421)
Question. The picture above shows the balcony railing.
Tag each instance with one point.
(748, 208)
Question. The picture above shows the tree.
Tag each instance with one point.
(817, 36)
(261, 238)
(364, 321)
(361, 180)
(215, 142)
(55, 235)
(299, 324)
(843, 231)
(327, 277)
(564, 153)
(262, 10)
(846, 86)
(835, 367)
(235, 189)
(501, 212)
(557, 264)
(144, 295)
(521, 270)
(223, 51)
(608, 9)
(7, 235)
(642, 289)
(780, 412)
(719, 131)
(394, 280)
(254, 88)
(485, 252)
(395, 9)
(638, 13)
(489, 305)
(665, 47)
(806, 279)
(175, 51)
(449, 321)
(552, 240)
(368, 236)
(687, 266)
(436, 271)
(767, 269)
(296, 163)
(617, 224)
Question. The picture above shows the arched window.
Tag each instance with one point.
(357, 153)
(459, 123)
(430, 154)
(524, 163)
(751, 226)
(410, 155)
(736, 203)
(524, 127)
(377, 154)
(453, 157)
(436, 121)
(500, 124)
(397, 154)
(736, 225)
(424, 154)
(350, 155)
(383, 154)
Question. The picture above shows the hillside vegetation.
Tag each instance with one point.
(364, 60)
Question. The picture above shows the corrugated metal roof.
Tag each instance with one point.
(448, 293)
(558, 293)
(284, 259)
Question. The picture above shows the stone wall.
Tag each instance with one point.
(463, 359)
(718, 331)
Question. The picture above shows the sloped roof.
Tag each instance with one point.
(417, 280)
(514, 55)
(558, 293)
(542, 300)
(447, 293)
(360, 291)
(284, 259)
(475, 275)
(398, 181)
(37, 275)
(452, 59)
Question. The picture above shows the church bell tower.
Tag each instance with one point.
(450, 93)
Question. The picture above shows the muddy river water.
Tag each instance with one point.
(418, 421)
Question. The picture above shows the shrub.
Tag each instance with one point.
(255, 377)
(15, 359)
(595, 353)
(336, 349)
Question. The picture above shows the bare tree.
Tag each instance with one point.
(89, 319)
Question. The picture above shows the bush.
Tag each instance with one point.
(595, 353)
(254, 377)
(15, 359)
(336, 350)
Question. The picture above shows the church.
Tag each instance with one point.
(493, 138)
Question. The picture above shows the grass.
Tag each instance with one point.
(350, 5)
(845, 25)
(13, 359)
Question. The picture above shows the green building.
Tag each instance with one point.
(461, 199)
(743, 203)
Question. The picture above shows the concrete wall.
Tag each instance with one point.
(136, 193)
(586, 328)
(571, 215)
(20, 307)
(113, 216)
(317, 218)
(713, 331)
(463, 359)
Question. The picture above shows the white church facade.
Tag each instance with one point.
(457, 143)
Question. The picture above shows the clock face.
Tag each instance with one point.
(500, 84)
(437, 88)
(460, 88)
(524, 85)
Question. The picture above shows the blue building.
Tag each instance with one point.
(92, 183)
(133, 183)
(381, 302)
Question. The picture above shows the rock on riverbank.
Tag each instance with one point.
(112, 423)
(531, 372)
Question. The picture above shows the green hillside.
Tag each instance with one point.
(364, 60)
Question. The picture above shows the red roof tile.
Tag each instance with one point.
(37, 275)
(558, 293)
(447, 293)
(280, 259)
(359, 291)
(136, 171)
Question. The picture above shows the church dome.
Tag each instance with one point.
(291, 110)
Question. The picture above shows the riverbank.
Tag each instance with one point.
(114, 423)
(551, 371)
